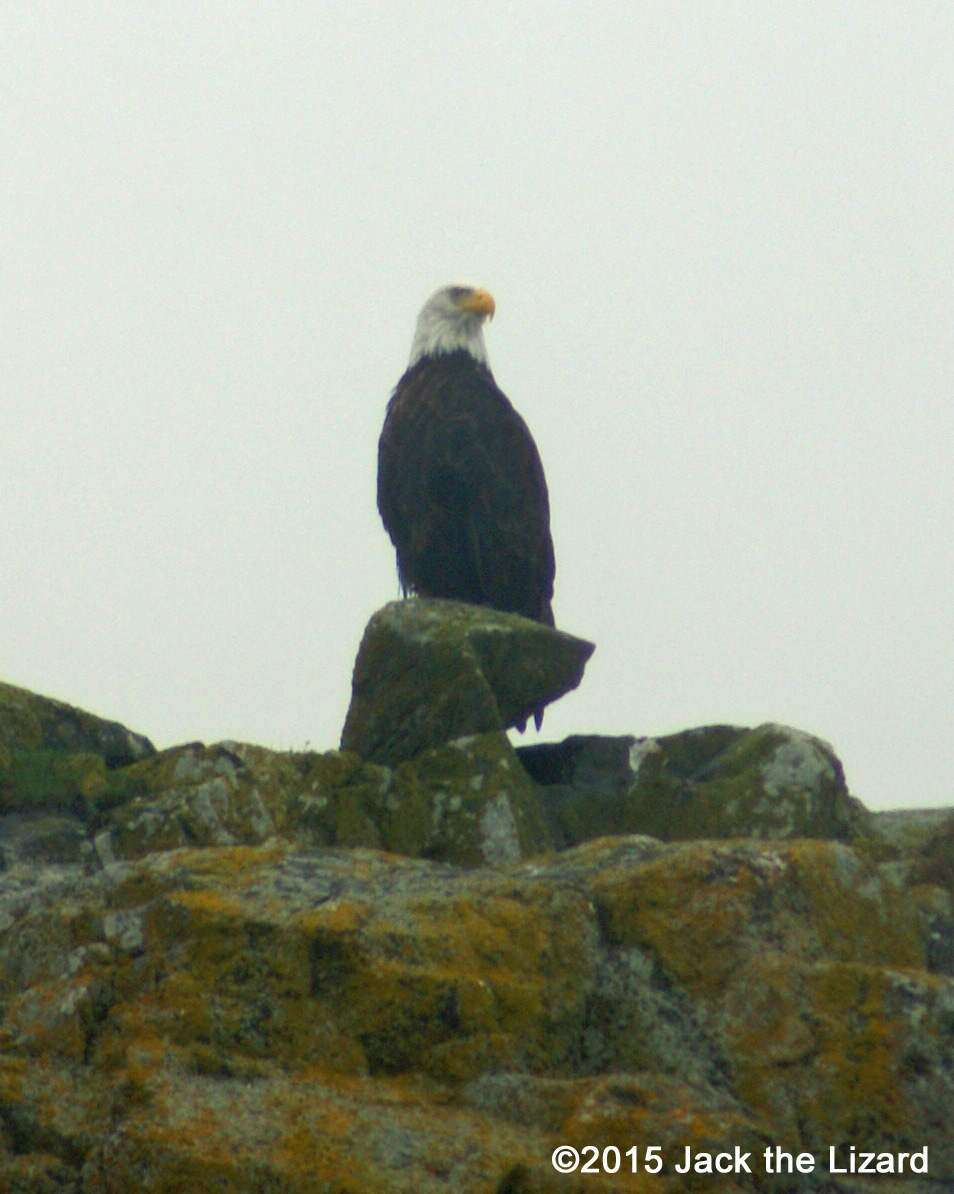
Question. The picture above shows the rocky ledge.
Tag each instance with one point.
(224, 968)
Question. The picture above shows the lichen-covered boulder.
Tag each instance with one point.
(251, 1018)
(429, 672)
(712, 782)
(924, 837)
(220, 970)
(468, 801)
(55, 757)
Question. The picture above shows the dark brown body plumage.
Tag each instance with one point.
(461, 490)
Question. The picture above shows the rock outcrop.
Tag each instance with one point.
(429, 672)
(715, 781)
(230, 969)
(53, 756)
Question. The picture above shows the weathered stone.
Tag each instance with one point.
(196, 795)
(56, 757)
(924, 837)
(584, 785)
(429, 672)
(258, 1017)
(232, 793)
(717, 781)
(28, 838)
(934, 862)
(197, 993)
(468, 801)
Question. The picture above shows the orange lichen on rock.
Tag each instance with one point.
(268, 1008)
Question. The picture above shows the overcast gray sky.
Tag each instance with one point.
(721, 240)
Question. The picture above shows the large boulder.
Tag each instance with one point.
(430, 671)
(228, 968)
(250, 1018)
(468, 801)
(57, 764)
(55, 757)
(715, 781)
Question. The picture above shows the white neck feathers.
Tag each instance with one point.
(444, 325)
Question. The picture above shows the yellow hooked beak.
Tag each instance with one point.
(480, 302)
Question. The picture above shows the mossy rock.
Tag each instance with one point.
(55, 757)
(430, 672)
(772, 782)
(469, 802)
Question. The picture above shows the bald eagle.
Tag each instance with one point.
(461, 489)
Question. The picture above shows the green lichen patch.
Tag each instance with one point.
(706, 910)
(338, 799)
(41, 779)
(771, 782)
(54, 756)
(451, 987)
(429, 672)
(468, 802)
(232, 793)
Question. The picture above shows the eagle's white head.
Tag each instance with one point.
(453, 318)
